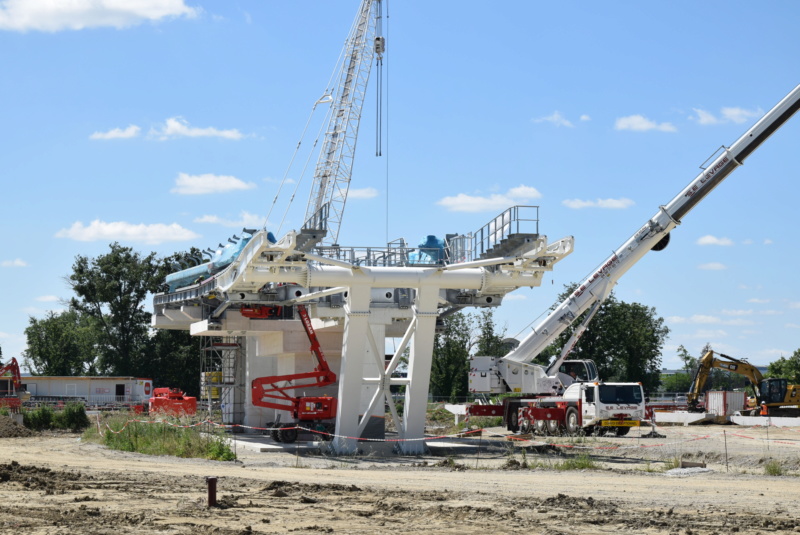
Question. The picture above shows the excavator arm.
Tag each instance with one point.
(723, 362)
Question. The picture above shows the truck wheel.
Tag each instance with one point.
(552, 427)
(622, 431)
(288, 434)
(572, 422)
(524, 426)
(540, 427)
(275, 435)
(513, 421)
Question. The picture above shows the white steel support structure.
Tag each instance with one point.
(263, 263)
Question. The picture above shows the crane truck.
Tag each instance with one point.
(774, 396)
(516, 373)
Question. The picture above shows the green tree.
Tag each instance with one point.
(786, 368)
(111, 289)
(175, 361)
(624, 340)
(450, 364)
(490, 343)
(61, 344)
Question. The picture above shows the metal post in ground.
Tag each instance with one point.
(725, 436)
(212, 491)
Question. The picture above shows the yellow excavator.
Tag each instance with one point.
(774, 397)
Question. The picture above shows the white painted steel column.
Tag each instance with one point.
(419, 371)
(356, 328)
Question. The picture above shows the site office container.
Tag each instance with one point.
(724, 403)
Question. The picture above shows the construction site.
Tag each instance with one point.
(296, 327)
(316, 364)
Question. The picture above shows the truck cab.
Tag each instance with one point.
(609, 404)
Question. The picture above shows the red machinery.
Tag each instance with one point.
(11, 393)
(172, 401)
(267, 392)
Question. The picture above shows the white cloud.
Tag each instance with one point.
(585, 117)
(728, 312)
(17, 262)
(792, 326)
(207, 183)
(728, 115)
(613, 204)
(48, 299)
(769, 312)
(795, 304)
(494, 202)
(708, 334)
(758, 301)
(515, 297)
(640, 123)
(702, 319)
(246, 219)
(713, 240)
(556, 119)
(179, 127)
(712, 266)
(54, 16)
(767, 242)
(363, 193)
(118, 133)
(120, 230)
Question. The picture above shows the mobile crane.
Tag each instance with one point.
(774, 396)
(515, 373)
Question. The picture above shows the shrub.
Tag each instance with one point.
(38, 419)
(73, 417)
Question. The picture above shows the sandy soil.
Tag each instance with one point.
(56, 484)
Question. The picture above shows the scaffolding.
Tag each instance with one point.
(222, 383)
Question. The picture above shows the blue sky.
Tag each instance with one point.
(165, 125)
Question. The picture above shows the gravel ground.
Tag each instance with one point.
(57, 484)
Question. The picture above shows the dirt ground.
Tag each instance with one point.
(57, 484)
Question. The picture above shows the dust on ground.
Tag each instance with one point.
(57, 484)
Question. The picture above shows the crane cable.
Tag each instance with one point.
(326, 98)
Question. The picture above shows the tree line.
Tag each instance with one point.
(105, 329)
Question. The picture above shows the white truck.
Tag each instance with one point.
(515, 372)
(585, 407)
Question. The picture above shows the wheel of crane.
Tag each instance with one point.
(540, 427)
(572, 426)
(329, 430)
(288, 434)
(513, 421)
(275, 435)
(622, 431)
(553, 427)
(525, 426)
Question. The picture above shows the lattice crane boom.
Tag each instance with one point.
(335, 164)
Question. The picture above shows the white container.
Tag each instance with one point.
(724, 403)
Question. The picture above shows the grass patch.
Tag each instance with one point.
(579, 462)
(773, 468)
(72, 417)
(161, 438)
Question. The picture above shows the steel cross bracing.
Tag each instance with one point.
(334, 166)
(372, 303)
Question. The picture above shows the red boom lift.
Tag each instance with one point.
(273, 392)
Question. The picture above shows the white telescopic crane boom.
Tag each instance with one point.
(653, 235)
(335, 163)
